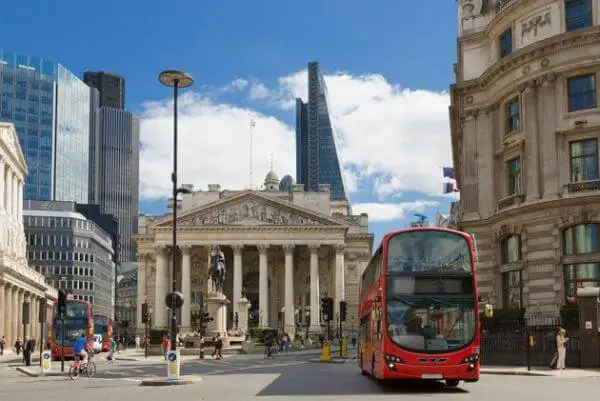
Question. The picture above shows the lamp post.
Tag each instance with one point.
(175, 79)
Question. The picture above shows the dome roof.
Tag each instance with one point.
(271, 176)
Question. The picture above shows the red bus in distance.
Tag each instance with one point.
(418, 308)
(78, 320)
(103, 326)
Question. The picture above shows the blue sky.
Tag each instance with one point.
(388, 65)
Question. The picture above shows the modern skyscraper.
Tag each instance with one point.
(50, 108)
(110, 86)
(116, 173)
(316, 152)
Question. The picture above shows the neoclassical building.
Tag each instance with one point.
(18, 282)
(283, 249)
(525, 126)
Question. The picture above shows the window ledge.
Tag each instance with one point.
(509, 267)
(510, 201)
(583, 186)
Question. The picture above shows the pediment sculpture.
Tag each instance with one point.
(248, 213)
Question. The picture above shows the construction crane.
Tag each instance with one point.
(422, 222)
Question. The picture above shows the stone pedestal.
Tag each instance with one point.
(242, 310)
(217, 308)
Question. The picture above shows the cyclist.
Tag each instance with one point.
(79, 349)
(268, 344)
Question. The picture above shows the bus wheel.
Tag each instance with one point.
(452, 383)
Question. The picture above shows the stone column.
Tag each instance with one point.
(530, 160)
(15, 314)
(141, 289)
(237, 275)
(8, 317)
(159, 318)
(33, 316)
(340, 285)
(186, 287)
(289, 315)
(9, 191)
(2, 186)
(15, 195)
(547, 110)
(315, 303)
(263, 285)
(20, 186)
(2, 307)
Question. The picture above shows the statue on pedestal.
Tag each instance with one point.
(217, 269)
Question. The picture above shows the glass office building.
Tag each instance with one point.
(316, 151)
(50, 108)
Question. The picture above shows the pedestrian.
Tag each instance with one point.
(2, 344)
(112, 353)
(165, 346)
(218, 347)
(561, 341)
(18, 346)
(137, 343)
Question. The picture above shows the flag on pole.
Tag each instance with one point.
(448, 172)
(449, 187)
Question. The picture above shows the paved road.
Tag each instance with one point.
(282, 379)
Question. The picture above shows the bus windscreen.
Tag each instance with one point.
(428, 252)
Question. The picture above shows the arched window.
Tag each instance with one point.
(582, 238)
(510, 248)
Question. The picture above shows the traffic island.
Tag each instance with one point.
(163, 382)
(332, 360)
(35, 371)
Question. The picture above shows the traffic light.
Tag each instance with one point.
(327, 308)
(62, 302)
(144, 312)
(343, 311)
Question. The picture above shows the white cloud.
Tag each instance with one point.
(214, 145)
(396, 138)
(384, 129)
(258, 91)
(384, 212)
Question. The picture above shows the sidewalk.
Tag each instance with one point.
(536, 371)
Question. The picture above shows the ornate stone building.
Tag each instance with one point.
(287, 249)
(18, 282)
(525, 125)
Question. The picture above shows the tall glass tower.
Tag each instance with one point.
(50, 108)
(316, 151)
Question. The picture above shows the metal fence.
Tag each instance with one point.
(506, 342)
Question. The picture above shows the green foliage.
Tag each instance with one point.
(156, 335)
(258, 333)
(569, 316)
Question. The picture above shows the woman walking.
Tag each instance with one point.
(561, 341)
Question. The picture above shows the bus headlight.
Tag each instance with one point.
(392, 360)
(472, 361)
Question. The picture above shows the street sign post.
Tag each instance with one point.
(46, 362)
(173, 365)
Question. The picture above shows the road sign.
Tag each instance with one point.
(173, 365)
(46, 361)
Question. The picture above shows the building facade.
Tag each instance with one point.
(73, 252)
(525, 126)
(19, 283)
(317, 159)
(116, 174)
(110, 86)
(126, 309)
(285, 250)
(50, 108)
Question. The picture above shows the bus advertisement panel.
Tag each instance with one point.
(418, 308)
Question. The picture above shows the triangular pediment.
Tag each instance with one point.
(252, 209)
(10, 142)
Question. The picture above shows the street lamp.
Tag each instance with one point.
(175, 80)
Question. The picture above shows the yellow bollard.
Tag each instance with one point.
(326, 353)
(344, 348)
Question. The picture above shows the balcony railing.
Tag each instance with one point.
(583, 186)
(511, 200)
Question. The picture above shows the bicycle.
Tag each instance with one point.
(88, 368)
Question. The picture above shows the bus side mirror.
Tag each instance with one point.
(489, 311)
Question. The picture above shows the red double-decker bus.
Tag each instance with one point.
(103, 326)
(78, 320)
(418, 308)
